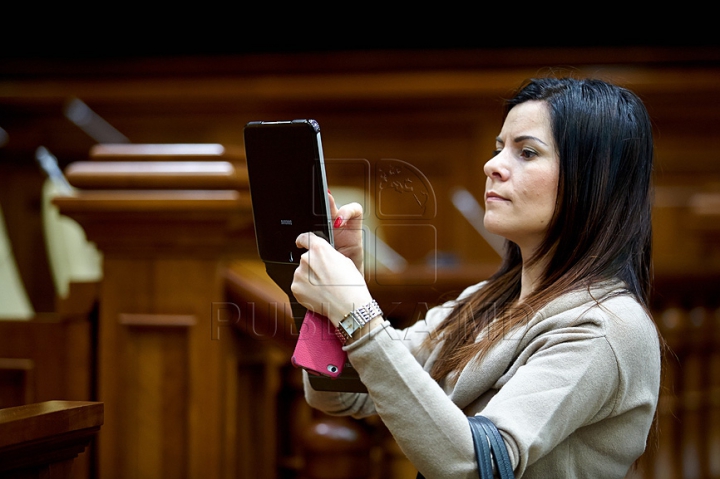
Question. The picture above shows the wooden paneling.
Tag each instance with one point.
(46, 358)
(16, 382)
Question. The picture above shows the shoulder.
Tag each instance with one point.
(604, 310)
(620, 316)
(630, 330)
(611, 312)
(608, 328)
(605, 305)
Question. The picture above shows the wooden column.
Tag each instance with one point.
(166, 230)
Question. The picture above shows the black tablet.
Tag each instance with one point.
(288, 186)
(289, 194)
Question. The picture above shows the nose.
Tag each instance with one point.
(496, 168)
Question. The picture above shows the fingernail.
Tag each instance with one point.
(338, 222)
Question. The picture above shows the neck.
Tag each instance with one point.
(530, 278)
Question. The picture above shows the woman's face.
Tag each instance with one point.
(522, 177)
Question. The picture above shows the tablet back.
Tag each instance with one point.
(287, 185)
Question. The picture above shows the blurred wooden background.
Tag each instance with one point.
(403, 128)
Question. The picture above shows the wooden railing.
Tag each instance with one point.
(42, 440)
(49, 357)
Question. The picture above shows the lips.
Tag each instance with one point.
(492, 196)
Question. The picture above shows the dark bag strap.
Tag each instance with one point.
(482, 448)
(499, 450)
(489, 445)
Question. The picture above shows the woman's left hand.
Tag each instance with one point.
(327, 281)
(347, 230)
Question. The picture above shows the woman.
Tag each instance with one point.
(557, 348)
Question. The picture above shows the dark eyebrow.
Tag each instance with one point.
(523, 138)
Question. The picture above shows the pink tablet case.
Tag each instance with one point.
(318, 349)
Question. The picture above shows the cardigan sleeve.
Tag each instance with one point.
(360, 404)
(430, 429)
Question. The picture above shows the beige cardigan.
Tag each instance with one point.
(573, 392)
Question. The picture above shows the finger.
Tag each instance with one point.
(333, 205)
(303, 240)
(349, 212)
(316, 242)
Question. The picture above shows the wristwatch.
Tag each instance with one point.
(356, 319)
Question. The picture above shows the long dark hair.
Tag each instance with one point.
(601, 228)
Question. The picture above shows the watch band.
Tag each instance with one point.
(356, 319)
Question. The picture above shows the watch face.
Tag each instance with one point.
(348, 323)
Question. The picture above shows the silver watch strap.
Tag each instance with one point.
(356, 319)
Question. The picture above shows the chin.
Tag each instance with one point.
(492, 226)
(498, 229)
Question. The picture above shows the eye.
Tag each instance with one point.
(528, 153)
(496, 152)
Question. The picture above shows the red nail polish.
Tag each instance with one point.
(338, 222)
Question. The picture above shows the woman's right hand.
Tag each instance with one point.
(347, 230)
(326, 281)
